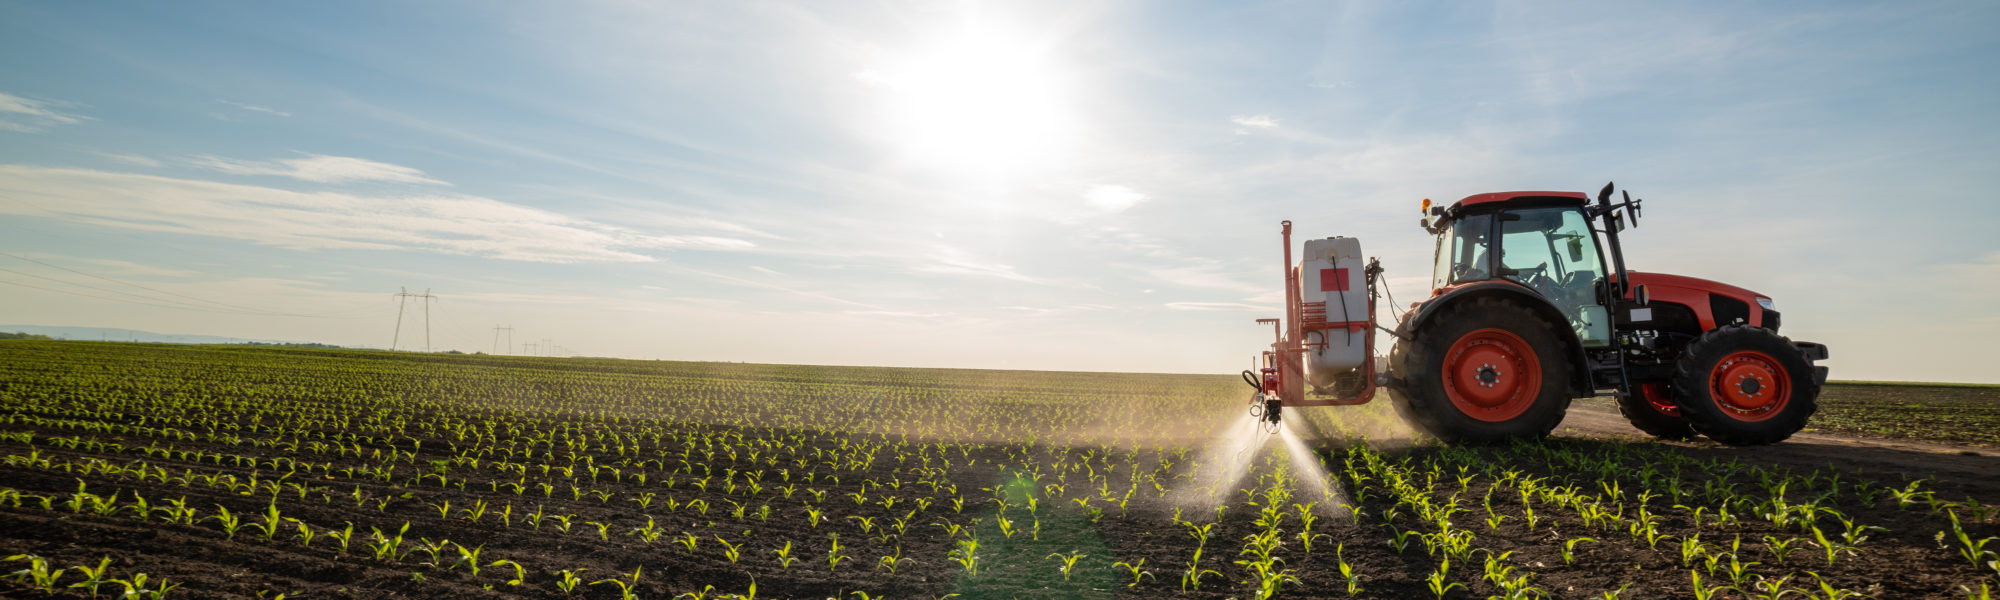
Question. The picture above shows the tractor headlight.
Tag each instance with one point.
(1766, 303)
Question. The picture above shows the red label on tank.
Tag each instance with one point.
(1333, 280)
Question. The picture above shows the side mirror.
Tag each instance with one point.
(1576, 250)
(1639, 295)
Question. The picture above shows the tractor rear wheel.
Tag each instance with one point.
(1651, 408)
(1481, 372)
(1744, 386)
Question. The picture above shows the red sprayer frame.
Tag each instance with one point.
(1284, 366)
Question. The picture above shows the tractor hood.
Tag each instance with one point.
(1711, 304)
(1661, 281)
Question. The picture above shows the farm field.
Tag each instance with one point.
(1966, 414)
(236, 472)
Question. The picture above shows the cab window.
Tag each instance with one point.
(1463, 252)
(1552, 251)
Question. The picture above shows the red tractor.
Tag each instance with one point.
(1524, 315)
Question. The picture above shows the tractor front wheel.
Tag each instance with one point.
(1482, 372)
(1744, 386)
(1651, 408)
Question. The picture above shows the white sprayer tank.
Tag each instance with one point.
(1333, 296)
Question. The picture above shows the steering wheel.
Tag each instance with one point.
(1537, 278)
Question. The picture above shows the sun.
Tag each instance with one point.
(978, 102)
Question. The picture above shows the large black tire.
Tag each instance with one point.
(1743, 386)
(1643, 407)
(1482, 371)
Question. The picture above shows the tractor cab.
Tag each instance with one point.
(1541, 241)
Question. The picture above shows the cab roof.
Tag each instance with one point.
(1496, 198)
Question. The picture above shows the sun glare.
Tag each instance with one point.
(977, 103)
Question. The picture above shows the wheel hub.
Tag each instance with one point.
(1492, 375)
(1487, 376)
(1749, 386)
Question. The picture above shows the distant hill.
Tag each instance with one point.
(133, 335)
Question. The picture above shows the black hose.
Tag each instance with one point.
(1345, 317)
(1393, 315)
(1251, 378)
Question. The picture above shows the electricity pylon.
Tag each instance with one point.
(496, 338)
(403, 297)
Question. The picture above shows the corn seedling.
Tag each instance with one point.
(1779, 549)
(730, 551)
(1435, 582)
(230, 522)
(92, 577)
(1068, 561)
(136, 587)
(1347, 573)
(1137, 571)
(567, 579)
(624, 586)
(967, 556)
(468, 557)
(833, 555)
(892, 562)
(1191, 578)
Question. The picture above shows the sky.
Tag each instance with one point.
(1027, 185)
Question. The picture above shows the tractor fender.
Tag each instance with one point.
(1511, 292)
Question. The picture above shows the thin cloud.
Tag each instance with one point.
(1113, 198)
(448, 224)
(1203, 274)
(131, 159)
(26, 115)
(320, 168)
(1214, 306)
(1257, 121)
(956, 266)
(255, 108)
(904, 314)
(1044, 311)
(132, 268)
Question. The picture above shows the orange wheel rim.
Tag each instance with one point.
(1492, 375)
(1750, 386)
(1661, 398)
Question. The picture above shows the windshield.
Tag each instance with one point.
(1462, 251)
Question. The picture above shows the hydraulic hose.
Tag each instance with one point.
(1251, 378)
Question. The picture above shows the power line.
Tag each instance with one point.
(245, 309)
(74, 293)
(92, 287)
